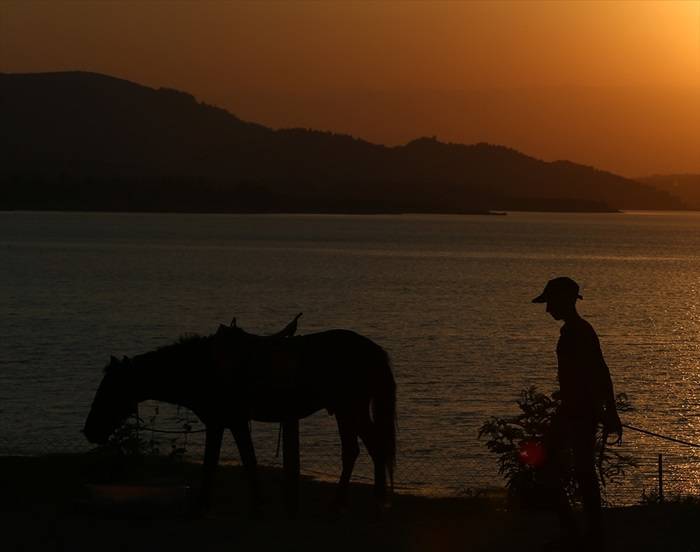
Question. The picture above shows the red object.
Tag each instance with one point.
(532, 453)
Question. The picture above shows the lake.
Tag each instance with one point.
(447, 296)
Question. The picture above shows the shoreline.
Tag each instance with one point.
(329, 212)
(43, 503)
(488, 213)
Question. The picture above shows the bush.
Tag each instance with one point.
(133, 453)
(518, 443)
(126, 439)
(135, 438)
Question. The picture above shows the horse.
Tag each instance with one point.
(232, 377)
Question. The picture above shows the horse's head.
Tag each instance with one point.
(113, 403)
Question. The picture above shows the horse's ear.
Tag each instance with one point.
(113, 363)
(233, 322)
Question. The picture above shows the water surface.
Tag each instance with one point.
(447, 296)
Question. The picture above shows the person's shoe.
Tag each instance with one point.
(594, 539)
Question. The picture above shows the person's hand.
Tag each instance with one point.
(613, 424)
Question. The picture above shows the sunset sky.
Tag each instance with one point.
(610, 84)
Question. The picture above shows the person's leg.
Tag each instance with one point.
(556, 474)
(583, 445)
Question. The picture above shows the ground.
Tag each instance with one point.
(46, 506)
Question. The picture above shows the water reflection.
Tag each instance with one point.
(447, 296)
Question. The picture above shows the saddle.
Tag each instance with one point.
(252, 362)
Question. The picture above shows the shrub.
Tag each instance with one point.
(518, 443)
(126, 439)
(136, 437)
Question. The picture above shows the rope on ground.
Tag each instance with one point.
(628, 426)
(659, 436)
(141, 426)
(146, 428)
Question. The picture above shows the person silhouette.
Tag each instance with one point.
(587, 400)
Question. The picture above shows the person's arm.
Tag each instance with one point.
(611, 419)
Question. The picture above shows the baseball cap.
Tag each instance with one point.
(562, 287)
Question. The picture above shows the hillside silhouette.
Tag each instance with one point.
(85, 141)
(684, 186)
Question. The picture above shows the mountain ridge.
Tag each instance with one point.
(87, 141)
(685, 186)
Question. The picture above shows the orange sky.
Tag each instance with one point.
(611, 84)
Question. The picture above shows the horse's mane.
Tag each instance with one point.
(193, 344)
(185, 345)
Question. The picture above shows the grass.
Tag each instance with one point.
(43, 507)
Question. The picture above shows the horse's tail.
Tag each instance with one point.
(384, 414)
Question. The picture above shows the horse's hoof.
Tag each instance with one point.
(198, 509)
(380, 510)
(256, 513)
(335, 514)
(338, 508)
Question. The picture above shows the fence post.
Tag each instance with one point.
(661, 477)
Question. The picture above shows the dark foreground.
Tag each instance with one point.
(45, 506)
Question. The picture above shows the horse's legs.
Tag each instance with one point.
(212, 448)
(367, 432)
(241, 433)
(290, 455)
(350, 452)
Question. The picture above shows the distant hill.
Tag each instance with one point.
(84, 141)
(684, 186)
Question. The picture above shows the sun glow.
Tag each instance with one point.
(611, 84)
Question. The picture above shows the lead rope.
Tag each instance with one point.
(638, 430)
(658, 435)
